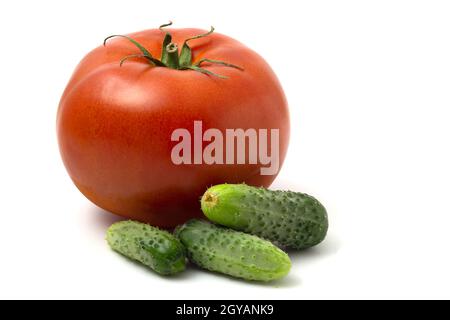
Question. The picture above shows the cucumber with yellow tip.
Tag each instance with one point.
(291, 219)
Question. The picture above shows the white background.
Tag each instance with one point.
(368, 83)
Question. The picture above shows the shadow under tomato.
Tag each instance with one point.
(102, 218)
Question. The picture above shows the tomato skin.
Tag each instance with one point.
(114, 124)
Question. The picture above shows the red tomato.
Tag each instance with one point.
(115, 123)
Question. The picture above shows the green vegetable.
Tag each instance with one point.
(287, 218)
(153, 247)
(231, 252)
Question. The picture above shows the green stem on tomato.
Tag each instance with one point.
(170, 55)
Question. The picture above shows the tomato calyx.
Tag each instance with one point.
(171, 57)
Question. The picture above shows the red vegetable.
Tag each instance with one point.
(115, 121)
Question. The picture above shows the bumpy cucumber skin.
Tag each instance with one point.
(290, 219)
(155, 248)
(231, 252)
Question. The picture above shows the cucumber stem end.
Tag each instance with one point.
(210, 199)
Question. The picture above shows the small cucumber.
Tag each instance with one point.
(153, 247)
(290, 219)
(231, 252)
